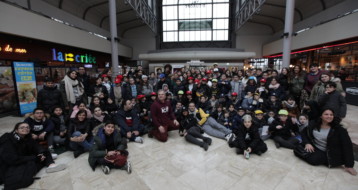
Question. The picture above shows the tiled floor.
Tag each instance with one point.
(179, 165)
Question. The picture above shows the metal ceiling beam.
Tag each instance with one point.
(273, 17)
(106, 17)
(255, 22)
(91, 7)
(249, 8)
(128, 21)
(282, 6)
(124, 31)
(144, 12)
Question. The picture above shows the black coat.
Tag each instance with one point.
(253, 134)
(83, 127)
(335, 101)
(339, 145)
(94, 89)
(49, 97)
(18, 161)
(57, 123)
(286, 130)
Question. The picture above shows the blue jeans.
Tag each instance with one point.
(84, 145)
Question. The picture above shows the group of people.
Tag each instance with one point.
(245, 108)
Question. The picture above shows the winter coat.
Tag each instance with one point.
(296, 85)
(98, 150)
(339, 145)
(122, 118)
(287, 128)
(335, 101)
(127, 92)
(18, 160)
(57, 123)
(95, 89)
(253, 134)
(49, 97)
(83, 127)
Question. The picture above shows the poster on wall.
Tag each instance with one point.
(8, 101)
(26, 86)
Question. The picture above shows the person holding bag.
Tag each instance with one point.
(109, 149)
(326, 142)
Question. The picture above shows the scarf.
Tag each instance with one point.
(70, 84)
(99, 118)
(276, 86)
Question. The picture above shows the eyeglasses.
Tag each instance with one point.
(24, 127)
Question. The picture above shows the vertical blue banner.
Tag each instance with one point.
(26, 86)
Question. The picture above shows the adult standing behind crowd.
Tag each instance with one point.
(312, 77)
(84, 79)
(49, 96)
(296, 81)
(72, 90)
(163, 118)
(328, 143)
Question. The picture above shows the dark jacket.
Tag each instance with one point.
(18, 160)
(83, 127)
(98, 150)
(287, 128)
(58, 125)
(95, 122)
(127, 91)
(335, 101)
(124, 118)
(339, 145)
(188, 122)
(37, 128)
(253, 134)
(49, 97)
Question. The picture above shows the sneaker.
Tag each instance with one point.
(228, 136)
(129, 167)
(105, 169)
(232, 139)
(246, 154)
(51, 149)
(139, 140)
(54, 156)
(208, 140)
(55, 168)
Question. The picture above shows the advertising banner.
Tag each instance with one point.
(26, 86)
(8, 101)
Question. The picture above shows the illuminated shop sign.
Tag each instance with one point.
(9, 49)
(71, 57)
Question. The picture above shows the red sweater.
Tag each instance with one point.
(161, 113)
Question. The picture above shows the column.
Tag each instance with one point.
(114, 38)
(287, 39)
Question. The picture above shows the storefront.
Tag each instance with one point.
(49, 60)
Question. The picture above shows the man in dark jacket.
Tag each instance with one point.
(333, 99)
(49, 96)
(41, 128)
(128, 120)
(84, 78)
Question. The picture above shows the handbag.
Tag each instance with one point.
(300, 152)
(119, 159)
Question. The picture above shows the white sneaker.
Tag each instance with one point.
(246, 154)
(106, 169)
(129, 167)
(54, 156)
(139, 140)
(228, 136)
(55, 168)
